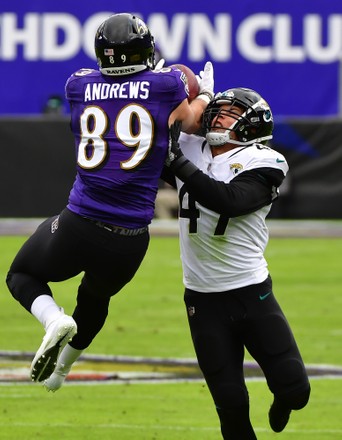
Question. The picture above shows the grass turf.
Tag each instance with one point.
(181, 411)
(148, 319)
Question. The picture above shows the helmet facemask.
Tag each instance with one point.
(254, 125)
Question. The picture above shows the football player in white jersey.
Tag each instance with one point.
(227, 182)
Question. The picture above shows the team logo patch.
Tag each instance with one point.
(236, 167)
(54, 225)
(267, 116)
(191, 310)
(184, 78)
(83, 72)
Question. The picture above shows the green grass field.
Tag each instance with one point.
(149, 412)
(148, 319)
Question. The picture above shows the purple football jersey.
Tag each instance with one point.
(120, 125)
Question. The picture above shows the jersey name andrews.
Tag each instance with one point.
(128, 90)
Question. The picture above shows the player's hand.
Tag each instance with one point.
(174, 152)
(159, 65)
(205, 80)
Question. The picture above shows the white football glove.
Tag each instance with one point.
(205, 81)
(159, 65)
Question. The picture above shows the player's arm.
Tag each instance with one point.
(190, 114)
(168, 176)
(247, 192)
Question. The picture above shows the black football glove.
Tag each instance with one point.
(175, 158)
(174, 152)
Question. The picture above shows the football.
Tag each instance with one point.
(192, 80)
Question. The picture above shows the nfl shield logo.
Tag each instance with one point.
(191, 310)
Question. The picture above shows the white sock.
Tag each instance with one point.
(68, 356)
(45, 309)
(65, 361)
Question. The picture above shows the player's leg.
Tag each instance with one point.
(90, 315)
(269, 339)
(108, 270)
(220, 356)
(48, 255)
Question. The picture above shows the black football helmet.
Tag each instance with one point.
(254, 125)
(124, 45)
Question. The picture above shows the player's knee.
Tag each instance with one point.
(301, 399)
(25, 288)
(17, 283)
(288, 373)
(297, 399)
(12, 281)
(292, 385)
(95, 289)
(292, 370)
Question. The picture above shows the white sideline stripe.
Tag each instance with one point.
(163, 428)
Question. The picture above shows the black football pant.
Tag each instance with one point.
(222, 325)
(65, 246)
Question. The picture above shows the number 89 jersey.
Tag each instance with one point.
(220, 253)
(120, 125)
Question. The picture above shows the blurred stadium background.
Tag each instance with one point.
(289, 51)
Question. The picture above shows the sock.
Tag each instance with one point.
(65, 361)
(46, 310)
(68, 356)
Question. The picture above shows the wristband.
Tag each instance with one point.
(183, 168)
(205, 96)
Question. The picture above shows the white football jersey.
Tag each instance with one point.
(218, 253)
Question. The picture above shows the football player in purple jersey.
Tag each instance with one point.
(226, 183)
(120, 118)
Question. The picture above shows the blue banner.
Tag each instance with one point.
(290, 52)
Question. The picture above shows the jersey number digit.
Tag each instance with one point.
(133, 127)
(193, 213)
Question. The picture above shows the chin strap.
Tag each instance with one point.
(215, 139)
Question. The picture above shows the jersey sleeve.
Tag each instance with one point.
(266, 158)
(171, 80)
(256, 186)
(74, 84)
(168, 176)
(246, 193)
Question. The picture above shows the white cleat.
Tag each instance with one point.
(58, 334)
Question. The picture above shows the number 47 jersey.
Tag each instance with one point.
(220, 253)
(120, 125)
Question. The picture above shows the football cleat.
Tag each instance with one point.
(278, 416)
(58, 334)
